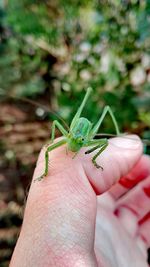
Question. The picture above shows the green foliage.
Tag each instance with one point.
(65, 46)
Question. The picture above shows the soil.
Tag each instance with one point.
(22, 135)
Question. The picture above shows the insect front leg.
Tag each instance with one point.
(50, 148)
(102, 144)
(60, 127)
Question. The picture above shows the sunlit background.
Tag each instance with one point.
(50, 52)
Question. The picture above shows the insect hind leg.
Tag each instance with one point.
(106, 110)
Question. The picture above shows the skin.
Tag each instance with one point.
(81, 216)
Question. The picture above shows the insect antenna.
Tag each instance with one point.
(37, 104)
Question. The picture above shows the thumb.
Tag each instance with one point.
(117, 160)
(59, 221)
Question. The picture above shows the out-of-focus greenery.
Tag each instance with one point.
(62, 47)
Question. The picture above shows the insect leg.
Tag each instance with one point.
(97, 154)
(78, 113)
(102, 144)
(60, 127)
(50, 148)
(95, 142)
(106, 110)
(92, 143)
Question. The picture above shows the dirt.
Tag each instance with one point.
(22, 135)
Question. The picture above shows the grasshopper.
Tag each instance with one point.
(80, 134)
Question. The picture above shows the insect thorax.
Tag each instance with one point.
(78, 134)
(81, 128)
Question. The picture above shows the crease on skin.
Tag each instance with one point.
(93, 183)
(128, 182)
(144, 219)
(144, 165)
(146, 190)
(142, 207)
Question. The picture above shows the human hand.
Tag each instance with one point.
(82, 216)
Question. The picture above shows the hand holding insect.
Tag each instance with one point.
(67, 224)
(81, 134)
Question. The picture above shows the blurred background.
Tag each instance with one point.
(50, 52)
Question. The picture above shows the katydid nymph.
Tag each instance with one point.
(81, 134)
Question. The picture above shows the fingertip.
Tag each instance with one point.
(127, 142)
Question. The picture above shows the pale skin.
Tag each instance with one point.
(70, 222)
(81, 134)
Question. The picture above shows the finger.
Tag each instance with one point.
(117, 160)
(59, 221)
(139, 172)
(112, 240)
(135, 203)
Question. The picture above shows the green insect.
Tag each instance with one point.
(81, 134)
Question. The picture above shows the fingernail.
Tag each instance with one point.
(128, 142)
